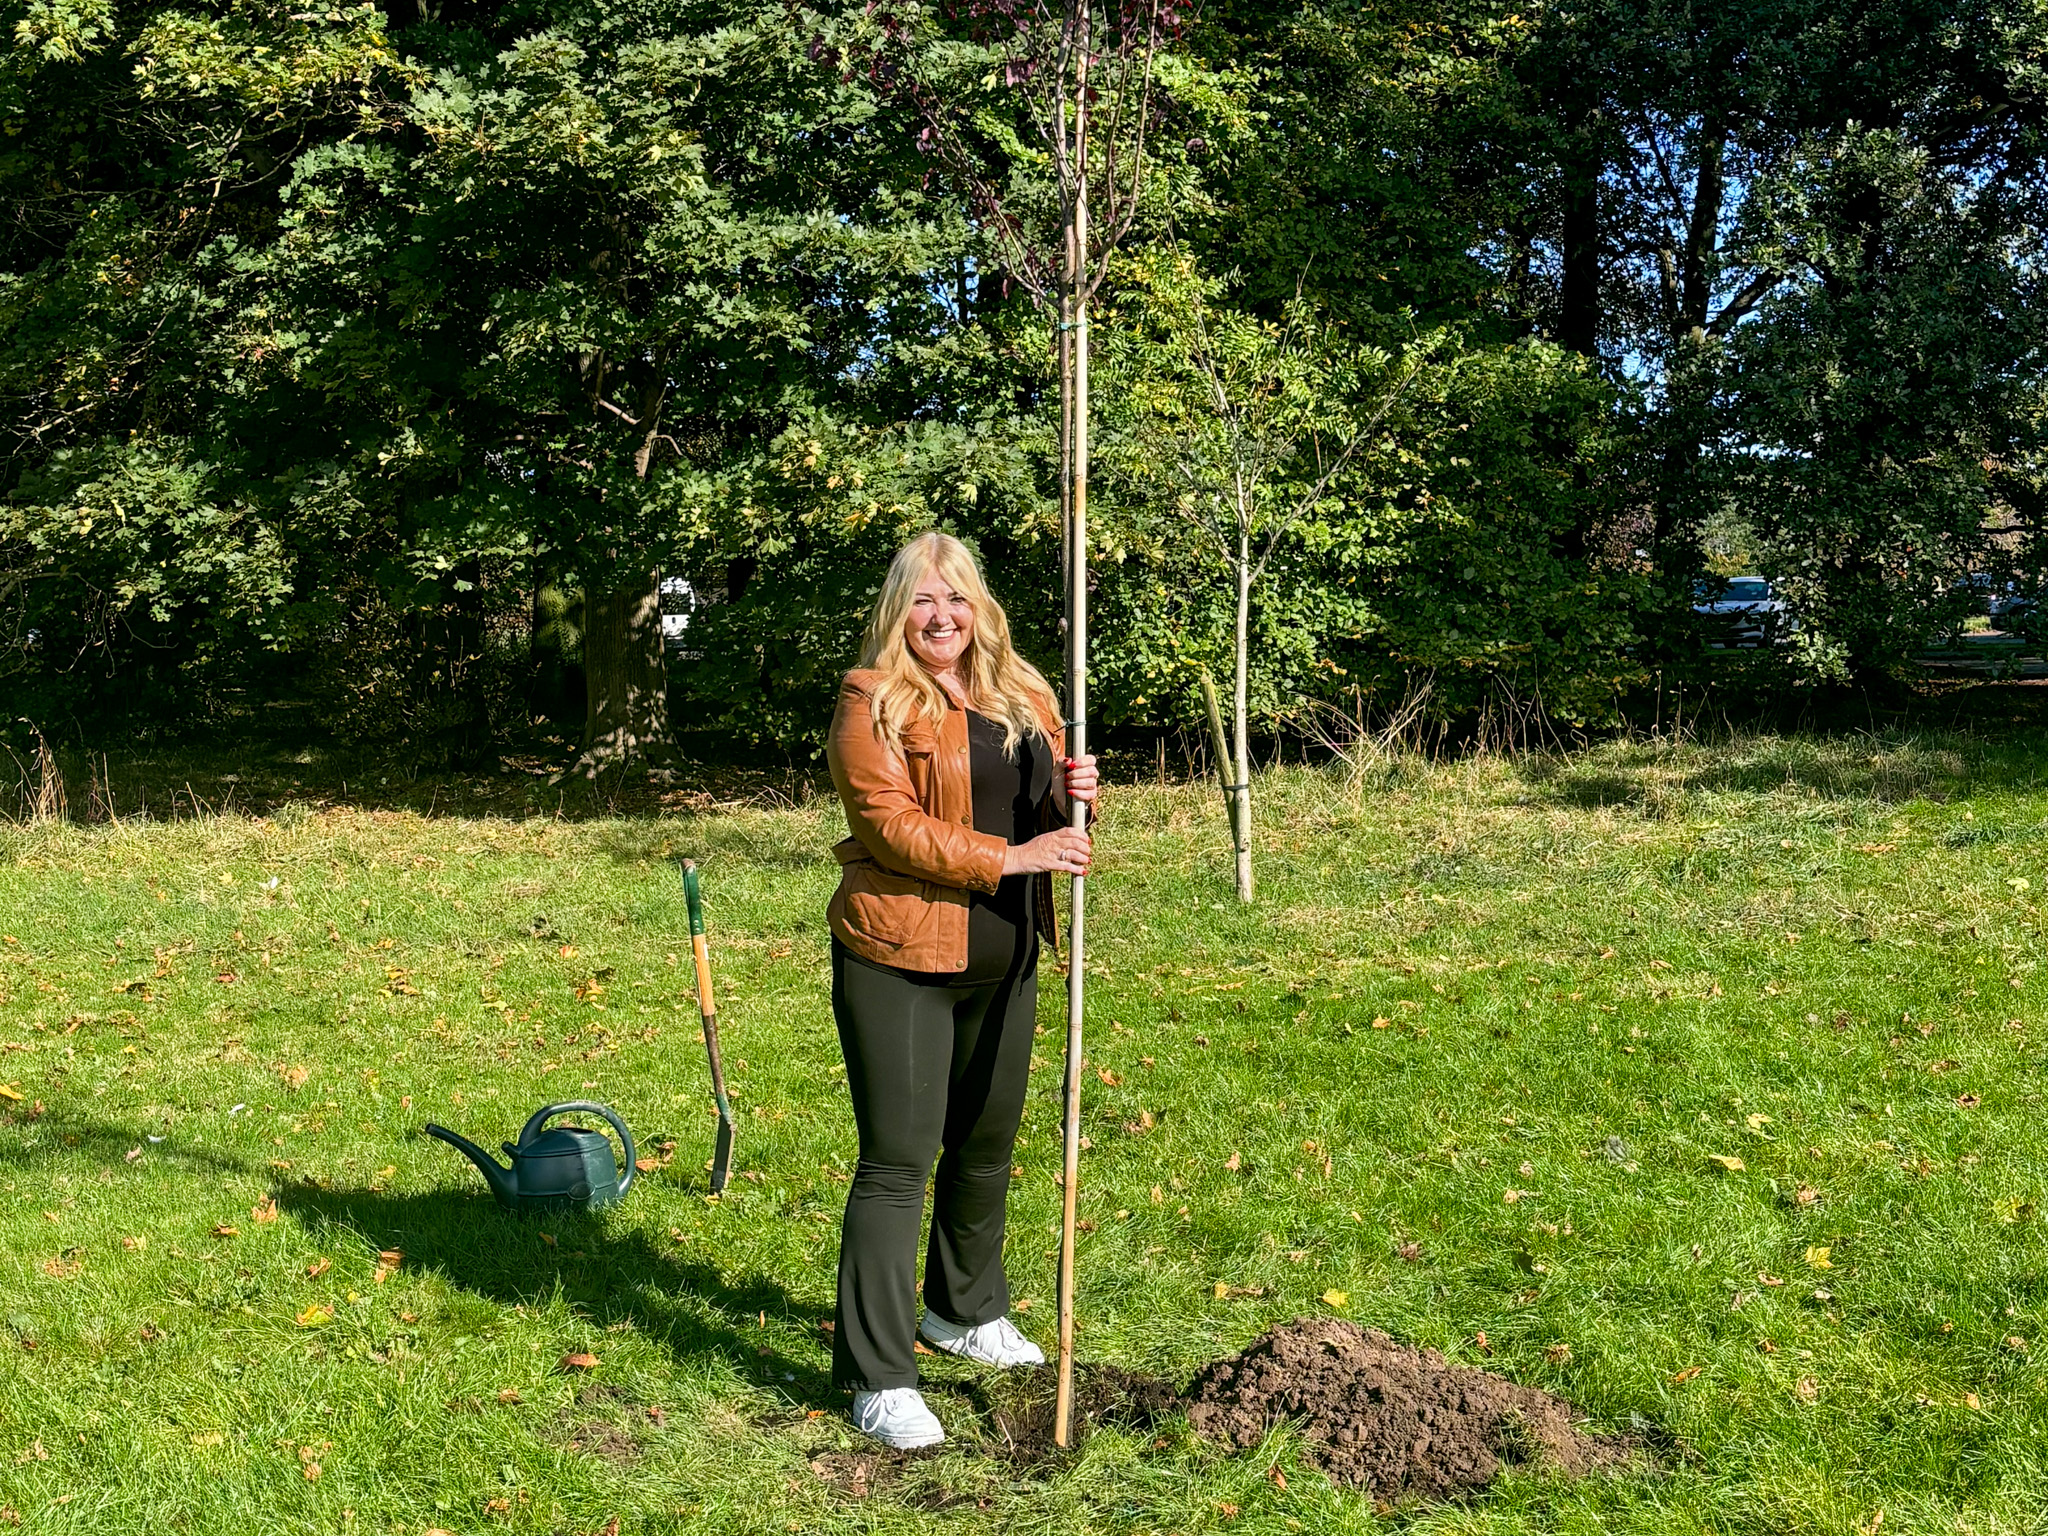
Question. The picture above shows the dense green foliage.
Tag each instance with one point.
(337, 344)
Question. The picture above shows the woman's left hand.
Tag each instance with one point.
(1081, 778)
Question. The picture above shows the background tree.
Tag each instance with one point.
(353, 362)
(1247, 429)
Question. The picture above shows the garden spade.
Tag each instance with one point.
(721, 1156)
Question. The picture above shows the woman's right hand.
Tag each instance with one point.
(1063, 851)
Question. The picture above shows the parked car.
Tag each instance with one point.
(2020, 616)
(1742, 611)
(2010, 600)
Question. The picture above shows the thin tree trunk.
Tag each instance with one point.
(1578, 319)
(1241, 819)
(1682, 501)
(1702, 235)
(624, 665)
(626, 676)
(1063, 346)
(467, 741)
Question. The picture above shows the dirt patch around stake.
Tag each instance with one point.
(580, 1429)
(1019, 1405)
(853, 1473)
(1396, 1420)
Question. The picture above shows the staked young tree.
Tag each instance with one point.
(1057, 186)
(1245, 428)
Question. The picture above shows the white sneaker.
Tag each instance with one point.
(997, 1343)
(898, 1418)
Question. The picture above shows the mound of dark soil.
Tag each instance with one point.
(1388, 1417)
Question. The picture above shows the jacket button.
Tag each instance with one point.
(964, 820)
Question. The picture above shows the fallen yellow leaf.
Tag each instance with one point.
(1817, 1258)
(1336, 1298)
(315, 1316)
(9, 1091)
(263, 1211)
(1727, 1164)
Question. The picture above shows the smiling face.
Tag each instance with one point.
(940, 625)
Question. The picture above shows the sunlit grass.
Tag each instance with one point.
(1501, 1017)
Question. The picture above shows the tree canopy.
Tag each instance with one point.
(380, 360)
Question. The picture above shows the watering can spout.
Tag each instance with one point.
(501, 1180)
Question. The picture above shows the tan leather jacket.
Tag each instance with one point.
(906, 873)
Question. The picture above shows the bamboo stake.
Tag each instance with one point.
(1224, 761)
(1076, 328)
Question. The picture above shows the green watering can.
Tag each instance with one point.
(565, 1169)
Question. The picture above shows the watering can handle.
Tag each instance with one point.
(541, 1117)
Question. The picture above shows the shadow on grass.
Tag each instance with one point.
(252, 776)
(1886, 770)
(707, 838)
(608, 1275)
(34, 1139)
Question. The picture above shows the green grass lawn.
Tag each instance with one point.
(1702, 1085)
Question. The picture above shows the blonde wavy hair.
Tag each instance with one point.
(1002, 686)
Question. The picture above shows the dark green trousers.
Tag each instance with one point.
(936, 1070)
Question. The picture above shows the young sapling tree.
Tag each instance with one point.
(1248, 429)
(1042, 113)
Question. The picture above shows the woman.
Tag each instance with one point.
(944, 750)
